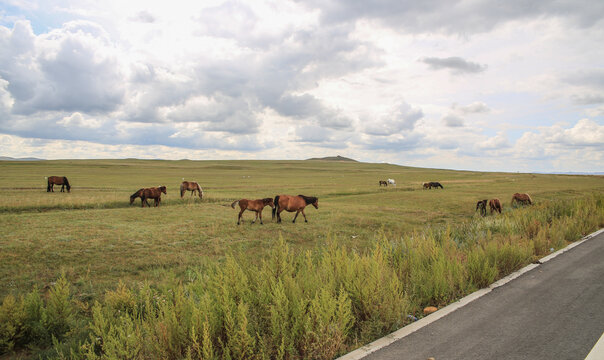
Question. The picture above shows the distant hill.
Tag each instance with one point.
(8, 158)
(334, 158)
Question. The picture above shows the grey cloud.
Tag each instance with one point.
(588, 99)
(593, 78)
(457, 16)
(453, 121)
(71, 75)
(144, 17)
(457, 65)
(473, 108)
(308, 107)
(403, 117)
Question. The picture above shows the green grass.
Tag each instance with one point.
(94, 231)
(429, 244)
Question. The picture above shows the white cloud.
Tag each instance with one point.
(281, 79)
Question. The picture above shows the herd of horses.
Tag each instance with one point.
(280, 203)
(495, 204)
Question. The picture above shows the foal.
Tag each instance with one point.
(253, 205)
(482, 206)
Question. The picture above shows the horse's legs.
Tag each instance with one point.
(297, 212)
(279, 215)
(239, 218)
(256, 218)
(304, 215)
(260, 212)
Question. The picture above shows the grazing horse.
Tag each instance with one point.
(152, 193)
(482, 206)
(392, 182)
(522, 199)
(436, 184)
(191, 186)
(495, 205)
(384, 182)
(253, 205)
(293, 203)
(57, 180)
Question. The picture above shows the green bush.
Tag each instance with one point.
(312, 305)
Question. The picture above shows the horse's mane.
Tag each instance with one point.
(309, 199)
(265, 201)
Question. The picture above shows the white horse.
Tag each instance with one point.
(392, 182)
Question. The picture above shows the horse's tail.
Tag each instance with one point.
(66, 182)
(47, 184)
(529, 199)
(182, 190)
(200, 191)
(234, 202)
(276, 208)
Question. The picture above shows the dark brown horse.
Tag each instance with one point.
(253, 205)
(482, 206)
(383, 182)
(293, 203)
(433, 184)
(191, 186)
(148, 193)
(495, 205)
(57, 180)
(522, 199)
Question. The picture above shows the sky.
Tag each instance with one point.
(477, 85)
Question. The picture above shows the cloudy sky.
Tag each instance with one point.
(481, 85)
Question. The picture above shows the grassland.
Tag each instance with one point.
(96, 239)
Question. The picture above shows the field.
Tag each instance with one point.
(95, 239)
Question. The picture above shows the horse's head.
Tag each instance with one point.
(163, 189)
(316, 203)
(269, 202)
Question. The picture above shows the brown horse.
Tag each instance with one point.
(191, 186)
(482, 206)
(150, 193)
(293, 203)
(57, 180)
(253, 205)
(495, 205)
(383, 182)
(522, 199)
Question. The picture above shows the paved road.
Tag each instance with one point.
(555, 311)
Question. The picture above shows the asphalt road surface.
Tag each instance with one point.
(555, 311)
